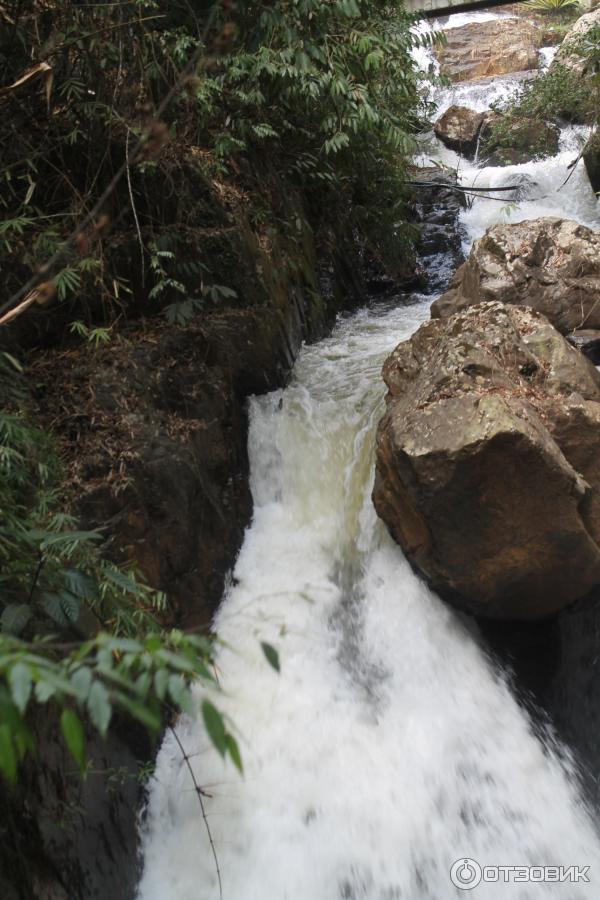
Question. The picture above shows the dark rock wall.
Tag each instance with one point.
(64, 838)
(152, 428)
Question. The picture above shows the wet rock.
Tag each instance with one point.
(487, 471)
(525, 187)
(497, 47)
(549, 264)
(591, 159)
(68, 838)
(437, 208)
(588, 341)
(458, 128)
(551, 35)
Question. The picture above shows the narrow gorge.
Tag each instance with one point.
(399, 735)
(299, 429)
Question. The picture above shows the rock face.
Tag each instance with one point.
(487, 473)
(549, 264)
(489, 48)
(458, 128)
(567, 54)
(86, 832)
(158, 447)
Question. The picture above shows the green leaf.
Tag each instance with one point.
(70, 606)
(99, 707)
(234, 752)
(215, 726)
(80, 585)
(15, 617)
(272, 656)
(81, 680)
(180, 694)
(142, 684)
(62, 607)
(67, 537)
(125, 582)
(74, 735)
(14, 362)
(52, 606)
(55, 678)
(161, 678)
(8, 757)
(20, 679)
(44, 691)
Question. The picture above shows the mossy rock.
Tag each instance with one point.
(507, 139)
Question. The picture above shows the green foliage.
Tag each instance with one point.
(94, 336)
(322, 97)
(511, 138)
(76, 631)
(90, 680)
(588, 48)
(561, 93)
(330, 92)
(552, 5)
(50, 572)
(168, 267)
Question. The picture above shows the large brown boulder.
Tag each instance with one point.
(489, 48)
(488, 471)
(458, 128)
(549, 264)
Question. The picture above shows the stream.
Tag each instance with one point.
(394, 742)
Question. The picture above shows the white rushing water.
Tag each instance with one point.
(389, 746)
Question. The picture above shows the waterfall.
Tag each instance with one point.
(389, 747)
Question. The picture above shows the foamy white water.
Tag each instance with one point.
(388, 747)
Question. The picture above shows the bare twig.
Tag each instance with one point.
(134, 210)
(36, 576)
(17, 310)
(200, 794)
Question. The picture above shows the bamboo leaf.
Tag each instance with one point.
(74, 736)
(215, 726)
(271, 655)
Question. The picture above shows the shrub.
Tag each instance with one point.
(319, 96)
(552, 6)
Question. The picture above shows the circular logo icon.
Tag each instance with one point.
(465, 874)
